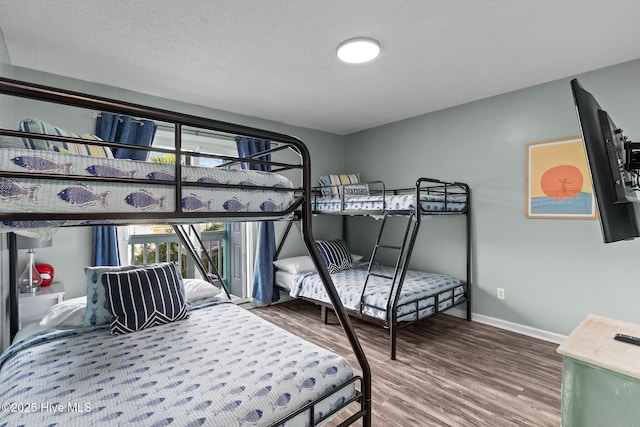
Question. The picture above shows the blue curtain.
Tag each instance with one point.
(266, 244)
(126, 130)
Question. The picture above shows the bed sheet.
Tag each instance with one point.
(222, 366)
(37, 195)
(286, 281)
(421, 292)
(428, 202)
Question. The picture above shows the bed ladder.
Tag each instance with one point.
(401, 261)
(192, 250)
(404, 251)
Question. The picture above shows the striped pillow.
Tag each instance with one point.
(84, 149)
(335, 255)
(144, 298)
(332, 183)
(38, 126)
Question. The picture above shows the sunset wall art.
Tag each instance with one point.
(558, 180)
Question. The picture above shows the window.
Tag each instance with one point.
(194, 140)
(158, 243)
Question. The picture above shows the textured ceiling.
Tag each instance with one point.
(275, 59)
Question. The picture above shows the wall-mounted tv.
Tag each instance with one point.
(613, 163)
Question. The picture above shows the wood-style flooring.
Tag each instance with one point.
(448, 372)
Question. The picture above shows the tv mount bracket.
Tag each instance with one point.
(632, 154)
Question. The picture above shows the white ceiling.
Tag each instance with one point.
(276, 59)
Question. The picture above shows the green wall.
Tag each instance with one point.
(554, 271)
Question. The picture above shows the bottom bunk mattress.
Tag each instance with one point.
(423, 294)
(222, 366)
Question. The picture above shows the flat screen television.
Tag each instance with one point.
(613, 165)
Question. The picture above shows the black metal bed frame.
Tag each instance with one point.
(451, 191)
(179, 120)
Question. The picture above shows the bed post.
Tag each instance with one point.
(324, 316)
(13, 286)
(468, 221)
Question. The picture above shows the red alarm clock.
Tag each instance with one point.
(46, 273)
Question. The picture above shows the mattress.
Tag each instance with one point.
(286, 281)
(430, 203)
(222, 366)
(423, 294)
(145, 192)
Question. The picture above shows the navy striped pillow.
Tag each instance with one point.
(335, 255)
(144, 298)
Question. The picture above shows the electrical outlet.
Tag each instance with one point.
(500, 293)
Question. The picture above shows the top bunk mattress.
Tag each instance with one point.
(56, 182)
(429, 203)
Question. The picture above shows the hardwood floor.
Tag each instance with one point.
(448, 372)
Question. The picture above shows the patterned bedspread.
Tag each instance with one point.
(421, 292)
(69, 195)
(428, 202)
(223, 366)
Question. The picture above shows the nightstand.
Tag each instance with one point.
(33, 306)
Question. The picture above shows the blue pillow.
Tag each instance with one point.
(335, 255)
(98, 312)
(144, 298)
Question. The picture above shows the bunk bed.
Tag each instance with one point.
(393, 296)
(194, 368)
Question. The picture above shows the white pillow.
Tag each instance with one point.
(196, 289)
(302, 264)
(296, 264)
(67, 313)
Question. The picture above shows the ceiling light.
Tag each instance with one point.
(358, 50)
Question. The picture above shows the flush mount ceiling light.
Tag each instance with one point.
(358, 50)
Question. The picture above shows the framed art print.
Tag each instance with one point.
(558, 180)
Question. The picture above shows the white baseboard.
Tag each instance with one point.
(510, 326)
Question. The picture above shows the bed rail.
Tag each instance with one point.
(438, 198)
(179, 121)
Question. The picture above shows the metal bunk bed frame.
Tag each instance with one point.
(405, 249)
(37, 92)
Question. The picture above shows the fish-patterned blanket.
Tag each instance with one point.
(223, 366)
(422, 295)
(72, 195)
